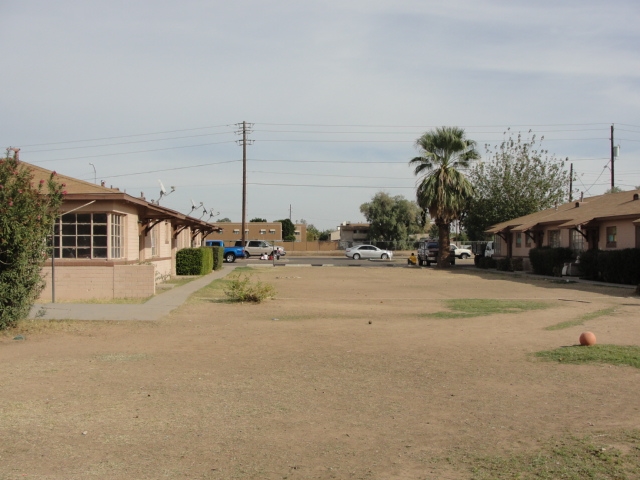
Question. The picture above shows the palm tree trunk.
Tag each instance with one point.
(443, 245)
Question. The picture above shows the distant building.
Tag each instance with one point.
(269, 231)
(353, 233)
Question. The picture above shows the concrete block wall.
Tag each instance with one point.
(99, 282)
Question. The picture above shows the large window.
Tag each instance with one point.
(577, 241)
(612, 234)
(85, 235)
(518, 240)
(155, 241)
(554, 238)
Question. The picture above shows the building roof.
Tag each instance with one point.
(85, 191)
(578, 213)
(352, 226)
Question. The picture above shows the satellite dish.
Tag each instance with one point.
(193, 205)
(163, 190)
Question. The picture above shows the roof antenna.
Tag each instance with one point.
(194, 206)
(163, 192)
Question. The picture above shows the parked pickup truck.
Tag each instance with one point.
(258, 247)
(428, 253)
(482, 249)
(230, 253)
(461, 252)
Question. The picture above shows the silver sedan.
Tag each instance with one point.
(367, 251)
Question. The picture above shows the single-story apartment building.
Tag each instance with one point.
(109, 244)
(605, 222)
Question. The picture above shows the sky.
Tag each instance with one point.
(334, 94)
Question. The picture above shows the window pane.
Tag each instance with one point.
(99, 218)
(68, 241)
(99, 229)
(68, 253)
(99, 253)
(100, 241)
(84, 218)
(69, 229)
(84, 240)
(69, 218)
(84, 253)
(84, 229)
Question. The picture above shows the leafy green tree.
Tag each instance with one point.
(258, 220)
(312, 232)
(392, 219)
(325, 235)
(614, 190)
(288, 230)
(27, 215)
(519, 178)
(224, 220)
(443, 190)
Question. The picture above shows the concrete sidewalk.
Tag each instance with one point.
(154, 309)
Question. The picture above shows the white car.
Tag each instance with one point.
(368, 251)
(461, 252)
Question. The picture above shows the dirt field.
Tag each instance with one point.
(342, 376)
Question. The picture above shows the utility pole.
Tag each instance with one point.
(246, 128)
(612, 155)
(289, 212)
(571, 183)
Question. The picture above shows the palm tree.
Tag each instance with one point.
(443, 189)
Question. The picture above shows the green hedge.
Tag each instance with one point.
(218, 257)
(550, 260)
(613, 266)
(510, 264)
(485, 262)
(194, 261)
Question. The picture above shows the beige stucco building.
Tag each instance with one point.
(108, 244)
(605, 222)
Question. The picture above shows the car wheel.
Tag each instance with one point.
(384, 256)
(356, 256)
(230, 257)
(247, 254)
(464, 256)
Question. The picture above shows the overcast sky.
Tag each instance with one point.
(336, 93)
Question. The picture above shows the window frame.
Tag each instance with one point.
(85, 234)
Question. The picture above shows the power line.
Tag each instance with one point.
(126, 143)
(133, 152)
(170, 169)
(327, 186)
(125, 136)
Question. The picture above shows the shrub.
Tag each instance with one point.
(504, 265)
(218, 257)
(510, 264)
(550, 260)
(614, 266)
(194, 261)
(485, 262)
(242, 290)
(27, 215)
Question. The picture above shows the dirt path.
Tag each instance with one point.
(342, 376)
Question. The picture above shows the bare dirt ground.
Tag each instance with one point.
(341, 376)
